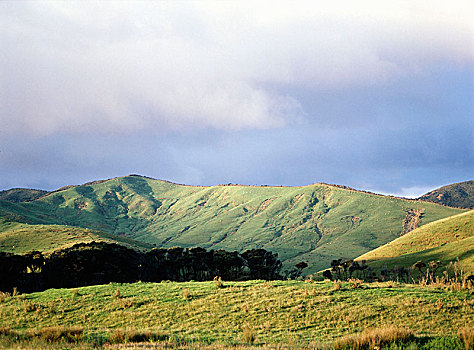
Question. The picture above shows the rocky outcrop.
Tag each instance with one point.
(412, 220)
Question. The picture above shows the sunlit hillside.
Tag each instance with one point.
(445, 240)
(315, 223)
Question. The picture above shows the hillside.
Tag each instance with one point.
(21, 194)
(315, 223)
(444, 240)
(21, 238)
(458, 195)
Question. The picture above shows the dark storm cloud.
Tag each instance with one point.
(377, 97)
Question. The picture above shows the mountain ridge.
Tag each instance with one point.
(457, 195)
(93, 182)
(21, 194)
(315, 223)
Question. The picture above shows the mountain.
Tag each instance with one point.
(445, 240)
(458, 195)
(315, 223)
(21, 195)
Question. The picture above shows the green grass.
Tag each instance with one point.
(292, 313)
(445, 240)
(316, 223)
(21, 194)
(21, 238)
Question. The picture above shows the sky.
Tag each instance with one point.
(374, 95)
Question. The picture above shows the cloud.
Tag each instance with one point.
(414, 192)
(162, 66)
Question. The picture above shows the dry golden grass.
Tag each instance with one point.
(355, 283)
(248, 334)
(4, 296)
(373, 338)
(218, 282)
(58, 333)
(466, 336)
(186, 294)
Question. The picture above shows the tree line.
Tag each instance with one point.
(99, 262)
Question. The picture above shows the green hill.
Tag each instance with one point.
(21, 238)
(315, 223)
(21, 194)
(459, 195)
(444, 240)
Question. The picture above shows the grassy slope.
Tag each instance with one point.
(21, 194)
(459, 195)
(295, 313)
(21, 238)
(444, 240)
(314, 223)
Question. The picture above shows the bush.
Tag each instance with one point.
(5, 331)
(248, 334)
(356, 283)
(126, 303)
(186, 294)
(218, 282)
(4, 296)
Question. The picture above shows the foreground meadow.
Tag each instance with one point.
(272, 314)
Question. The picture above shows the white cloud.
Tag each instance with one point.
(129, 66)
(414, 191)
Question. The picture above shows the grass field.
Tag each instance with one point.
(278, 314)
(315, 223)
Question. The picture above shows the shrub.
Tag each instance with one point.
(4, 296)
(118, 336)
(218, 282)
(374, 338)
(30, 306)
(186, 294)
(51, 308)
(13, 335)
(248, 334)
(127, 302)
(5, 331)
(356, 283)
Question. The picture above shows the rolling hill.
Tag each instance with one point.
(315, 223)
(445, 240)
(458, 195)
(21, 194)
(21, 238)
